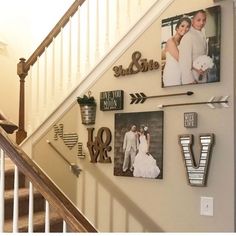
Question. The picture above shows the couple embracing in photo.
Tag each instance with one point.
(136, 153)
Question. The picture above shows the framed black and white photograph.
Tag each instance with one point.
(139, 144)
(190, 45)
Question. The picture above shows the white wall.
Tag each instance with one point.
(122, 204)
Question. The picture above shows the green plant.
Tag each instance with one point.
(86, 100)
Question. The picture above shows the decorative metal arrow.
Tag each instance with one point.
(141, 97)
(221, 101)
(74, 168)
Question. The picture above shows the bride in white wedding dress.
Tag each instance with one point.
(144, 163)
(172, 72)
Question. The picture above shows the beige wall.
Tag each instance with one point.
(122, 204)
(23, 25)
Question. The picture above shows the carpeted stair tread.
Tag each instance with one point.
(9, 165)
(22, 193)
(38, 221)
(39, 202)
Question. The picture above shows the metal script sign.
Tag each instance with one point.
(111, 100)
(137, 65)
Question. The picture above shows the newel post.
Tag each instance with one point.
(21, 134)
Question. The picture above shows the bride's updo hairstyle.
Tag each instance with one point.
(145, 130)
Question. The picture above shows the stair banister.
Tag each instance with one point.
(24, 65)
(65, 208)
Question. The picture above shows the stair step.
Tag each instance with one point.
(39, 202)
(56, 223)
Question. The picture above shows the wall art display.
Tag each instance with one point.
(100, 145)
(214, 102)
(138, 64)
(139, 144)
(112, 100)
(190, 119)
(196, 172)
(141, 97)
(69, 139)
(190, 45)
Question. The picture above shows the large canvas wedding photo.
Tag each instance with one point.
(190, 46)
(139, 144)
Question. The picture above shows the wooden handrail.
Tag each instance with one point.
(65, 208)
(7, 125)
(54, 32)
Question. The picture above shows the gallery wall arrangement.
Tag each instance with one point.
(138, 136)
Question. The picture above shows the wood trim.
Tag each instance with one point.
(54, 32)
(66, 209)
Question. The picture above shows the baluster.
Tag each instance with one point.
(88, 38)
(30, 109)
(47, 217)
(61, 62)
(107, 41)
(70, 54)
(117, 19)
(78, 45)
(16, 200)
(37, 93)
(53, 71)
(64, 227)
(2, 185)
(31, 208)
(128, 12)
(45, 90)
(97, 33)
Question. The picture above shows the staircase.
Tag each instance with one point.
(22, 207)
(56, 222)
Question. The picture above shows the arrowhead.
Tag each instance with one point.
(75, 169)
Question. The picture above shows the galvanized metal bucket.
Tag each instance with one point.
(88, 114)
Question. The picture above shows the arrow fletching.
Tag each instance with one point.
(224, 101)
(210, 102)
(144, 97)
